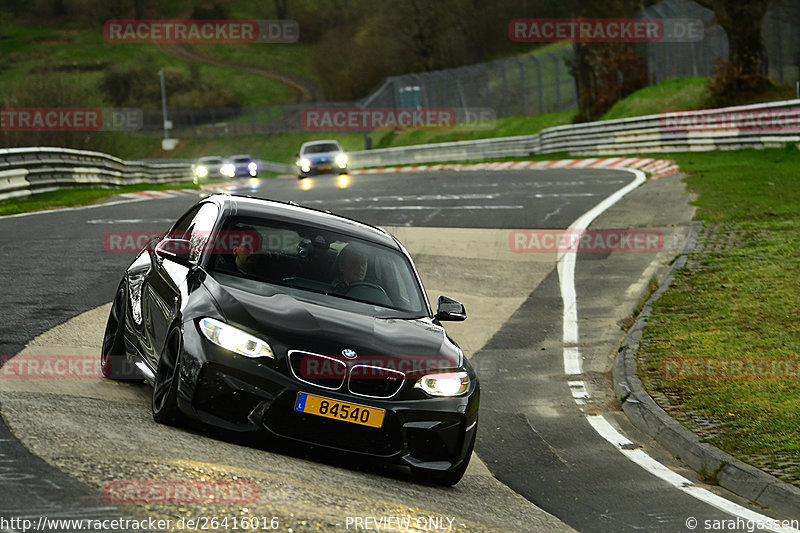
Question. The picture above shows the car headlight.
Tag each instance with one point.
(252, 167)
(201, 171)
(228, 170)
(234, 339)
(445, 384)
(341, 160)
(304, 164)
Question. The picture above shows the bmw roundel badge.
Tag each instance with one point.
(350, 354)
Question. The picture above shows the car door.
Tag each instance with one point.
(165, 284)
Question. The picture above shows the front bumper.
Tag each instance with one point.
(240, 394)
(322, 168)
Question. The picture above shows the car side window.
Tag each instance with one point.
(180, 228)
(200, 229)
(195, 226)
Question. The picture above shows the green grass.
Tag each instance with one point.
(736, 298)
(282, 147)
(679, 94)
(292, 58)
(503, 127)
(83, 55)
(82, 196)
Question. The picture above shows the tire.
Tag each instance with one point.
(113, 361)
(165, 386)
(446, 478)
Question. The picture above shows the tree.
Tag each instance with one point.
(741, 21)
(605, 71)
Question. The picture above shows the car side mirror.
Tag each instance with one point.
(450, 310)
(176, 250)
(297, 156)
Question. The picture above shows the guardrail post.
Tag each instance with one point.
(538, 81)
(521, 84)
(557, 80)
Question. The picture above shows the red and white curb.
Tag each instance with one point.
(170, 193)
(657, 168)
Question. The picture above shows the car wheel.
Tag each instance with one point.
(165, 387)
(446, 478)
(113, 361)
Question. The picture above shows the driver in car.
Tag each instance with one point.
(244, 259)
(352, 268)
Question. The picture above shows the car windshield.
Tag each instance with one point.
(320, 148)
(318, 265)
(210, 161)
(241, 159)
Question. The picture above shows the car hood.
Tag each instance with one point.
(289, 323)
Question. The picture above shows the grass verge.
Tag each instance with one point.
(735, 301)
(83, 196)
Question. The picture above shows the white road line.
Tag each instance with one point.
(573, 368)
(566, 275)
(425, 207)
(629, 450)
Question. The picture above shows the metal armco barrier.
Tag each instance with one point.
(774, 124)
(25, 171)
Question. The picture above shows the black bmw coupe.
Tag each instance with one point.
(261, 316)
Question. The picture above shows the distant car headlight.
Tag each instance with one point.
(341, 160)
(201, 171)
(445, 384)
(304, 164)
(228, 170)
(252, 167)
(234, 339)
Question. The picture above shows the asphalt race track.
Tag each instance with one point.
(542, 465)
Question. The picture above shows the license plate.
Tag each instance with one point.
(328, 167)
(344, 411)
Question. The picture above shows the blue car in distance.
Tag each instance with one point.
(319, 157)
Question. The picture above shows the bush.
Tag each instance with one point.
(732, 86)
(59, 91)
(140, 87)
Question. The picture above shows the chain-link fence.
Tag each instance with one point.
(529, 84)
(780, 30)
(667, 60)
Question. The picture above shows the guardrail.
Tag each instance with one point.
(753, 126)
(25, 171)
